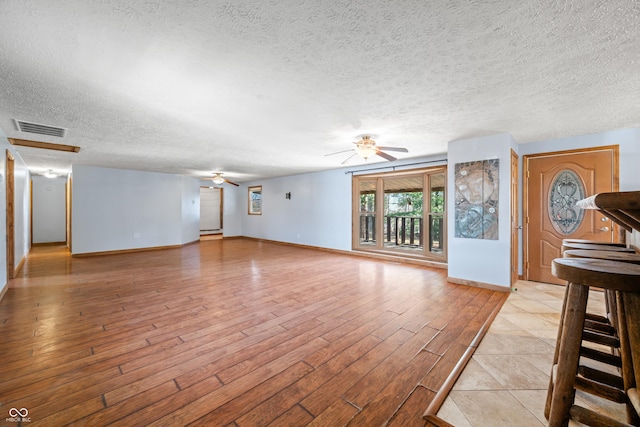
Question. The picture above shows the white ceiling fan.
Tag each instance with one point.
(219, 179)
(366, 147)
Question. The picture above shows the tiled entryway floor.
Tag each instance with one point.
(505, 383)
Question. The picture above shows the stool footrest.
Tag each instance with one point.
(597, 318)
(598, 338)
(601, 327)
(597, 375)
(600, 356)
(596, 388)
(594, 419)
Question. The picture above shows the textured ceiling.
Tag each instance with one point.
(261, 88)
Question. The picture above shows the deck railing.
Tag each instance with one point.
(402, 231)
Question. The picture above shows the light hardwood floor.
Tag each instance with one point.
(231, 332)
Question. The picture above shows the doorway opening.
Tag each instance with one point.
(211, 205)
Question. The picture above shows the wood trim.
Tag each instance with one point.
(48, 244)
(31, 212)
(476, 284)
(525, 189)
(127, 251)
(19, 266)
(431, 413)
(222, 209)
(364, 254)
(44, 145)
(10, 213)
(3, 291)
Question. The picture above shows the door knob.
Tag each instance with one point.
(604, 229)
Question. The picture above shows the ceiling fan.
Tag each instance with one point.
(366, 147)
(218, 179)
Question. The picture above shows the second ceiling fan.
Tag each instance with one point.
(366, 147)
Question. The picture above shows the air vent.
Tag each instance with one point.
(40, 129)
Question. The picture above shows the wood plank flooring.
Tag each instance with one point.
(233, 332)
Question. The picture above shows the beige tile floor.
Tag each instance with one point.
(505, 382)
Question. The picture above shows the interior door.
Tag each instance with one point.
(554, 182)
(210, 210)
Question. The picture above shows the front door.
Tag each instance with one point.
(554, 182)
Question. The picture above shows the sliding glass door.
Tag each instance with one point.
(401, 213)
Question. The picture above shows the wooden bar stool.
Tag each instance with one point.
(594, 242)
(629, 304)
(595, 247)
(603, 331)
(598, 329)
(610, 299)
(633, 258)
(568, 375)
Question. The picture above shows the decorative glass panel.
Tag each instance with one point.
(566, 190)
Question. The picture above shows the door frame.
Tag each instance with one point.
(10, 215)
(525, 190)
(221, 204)
(514, 218)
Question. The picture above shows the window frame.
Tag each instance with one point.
(252, 191)
(379, 247)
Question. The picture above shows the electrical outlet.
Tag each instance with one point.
(136, 235)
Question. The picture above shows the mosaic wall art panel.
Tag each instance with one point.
(476, 207)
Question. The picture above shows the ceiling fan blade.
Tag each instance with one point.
(348, 158)
(385, 156)
(232, 183)
(339, 152)
(404, 150)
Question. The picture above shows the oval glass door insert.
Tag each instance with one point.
(566, 190)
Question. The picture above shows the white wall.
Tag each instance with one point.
(190, 210)
(318, 213)
(232, 210)
(49, 209)
(480, 260)
(115, 209)
(22, 209)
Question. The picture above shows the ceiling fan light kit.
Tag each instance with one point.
(366, 147)
(218, 179)
(49, 174)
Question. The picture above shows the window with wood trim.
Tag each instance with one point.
(401, 213)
